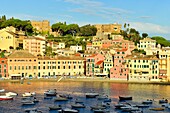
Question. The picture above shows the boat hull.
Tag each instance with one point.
(125, 98)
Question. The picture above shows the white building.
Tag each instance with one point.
(146, 43)
(76, 48)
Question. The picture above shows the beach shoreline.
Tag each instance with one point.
(89, 79)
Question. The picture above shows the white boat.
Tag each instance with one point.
(77, 105)
(51, 92)
(11, 94)
(2, 90)
(68, 110)
(4, 97)
(29, 94)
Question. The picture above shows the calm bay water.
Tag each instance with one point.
(139, 92)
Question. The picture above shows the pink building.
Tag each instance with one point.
(128, 44)
(106, 43)
(94, 64)
(3, 68)
(119, 71)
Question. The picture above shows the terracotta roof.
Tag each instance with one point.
(121, 50)
(70, 58)
(92, 55)
(142, 57)
(21, 54)
(89, 44)
(77, 54)
(99, 62)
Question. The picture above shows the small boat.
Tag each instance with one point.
(142, 106)
(97, 107)
(163, 101)
(157, 109)
(29, 94)
(125, 97)
(68, 110)
(32, 110)
(147, 102)
(78, 105)
(91, 95)
(101, 111)
(118, 106)
(66, 96)
(11, 94)
(165, 105)
(102, 97)
(6, 98)
(28, 103)
(51, 92)
(60, 99)
(55, 107)
(129, 108)
(2, 90)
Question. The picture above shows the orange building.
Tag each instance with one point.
(3, 68)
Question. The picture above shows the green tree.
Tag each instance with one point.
(144, 35)
(162, 41)
(88, 30)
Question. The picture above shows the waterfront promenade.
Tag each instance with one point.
(85, 79)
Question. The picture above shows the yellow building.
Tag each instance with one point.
(143, 67)
(41, 26)
(34, 45)
(97, 44)
(23, 63)
(10, 38)
(70, 65)
(47, 67)
(108, 28)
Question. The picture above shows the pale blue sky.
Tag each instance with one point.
(151, 16)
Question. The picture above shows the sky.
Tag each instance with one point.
(146, 16)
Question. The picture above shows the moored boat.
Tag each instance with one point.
(125, 97)
(29, 94)
(11, 94)
(51, 92)
(60, 99)
(91, 95)
(2, 90)
(157, 109)
(68, 110)
(163, 101)
(147, 102)
(6, 98)
(55, 107)
(77, 105)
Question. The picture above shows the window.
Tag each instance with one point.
(38, 62)
(68, 67)
(63, 67)
(58, 62)
(43, 67)
(2, 61)
(34, 67)
(38, 67)
(18, 67)
(22, 67)
(74, 67)
(58, 67)
(79, 67)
